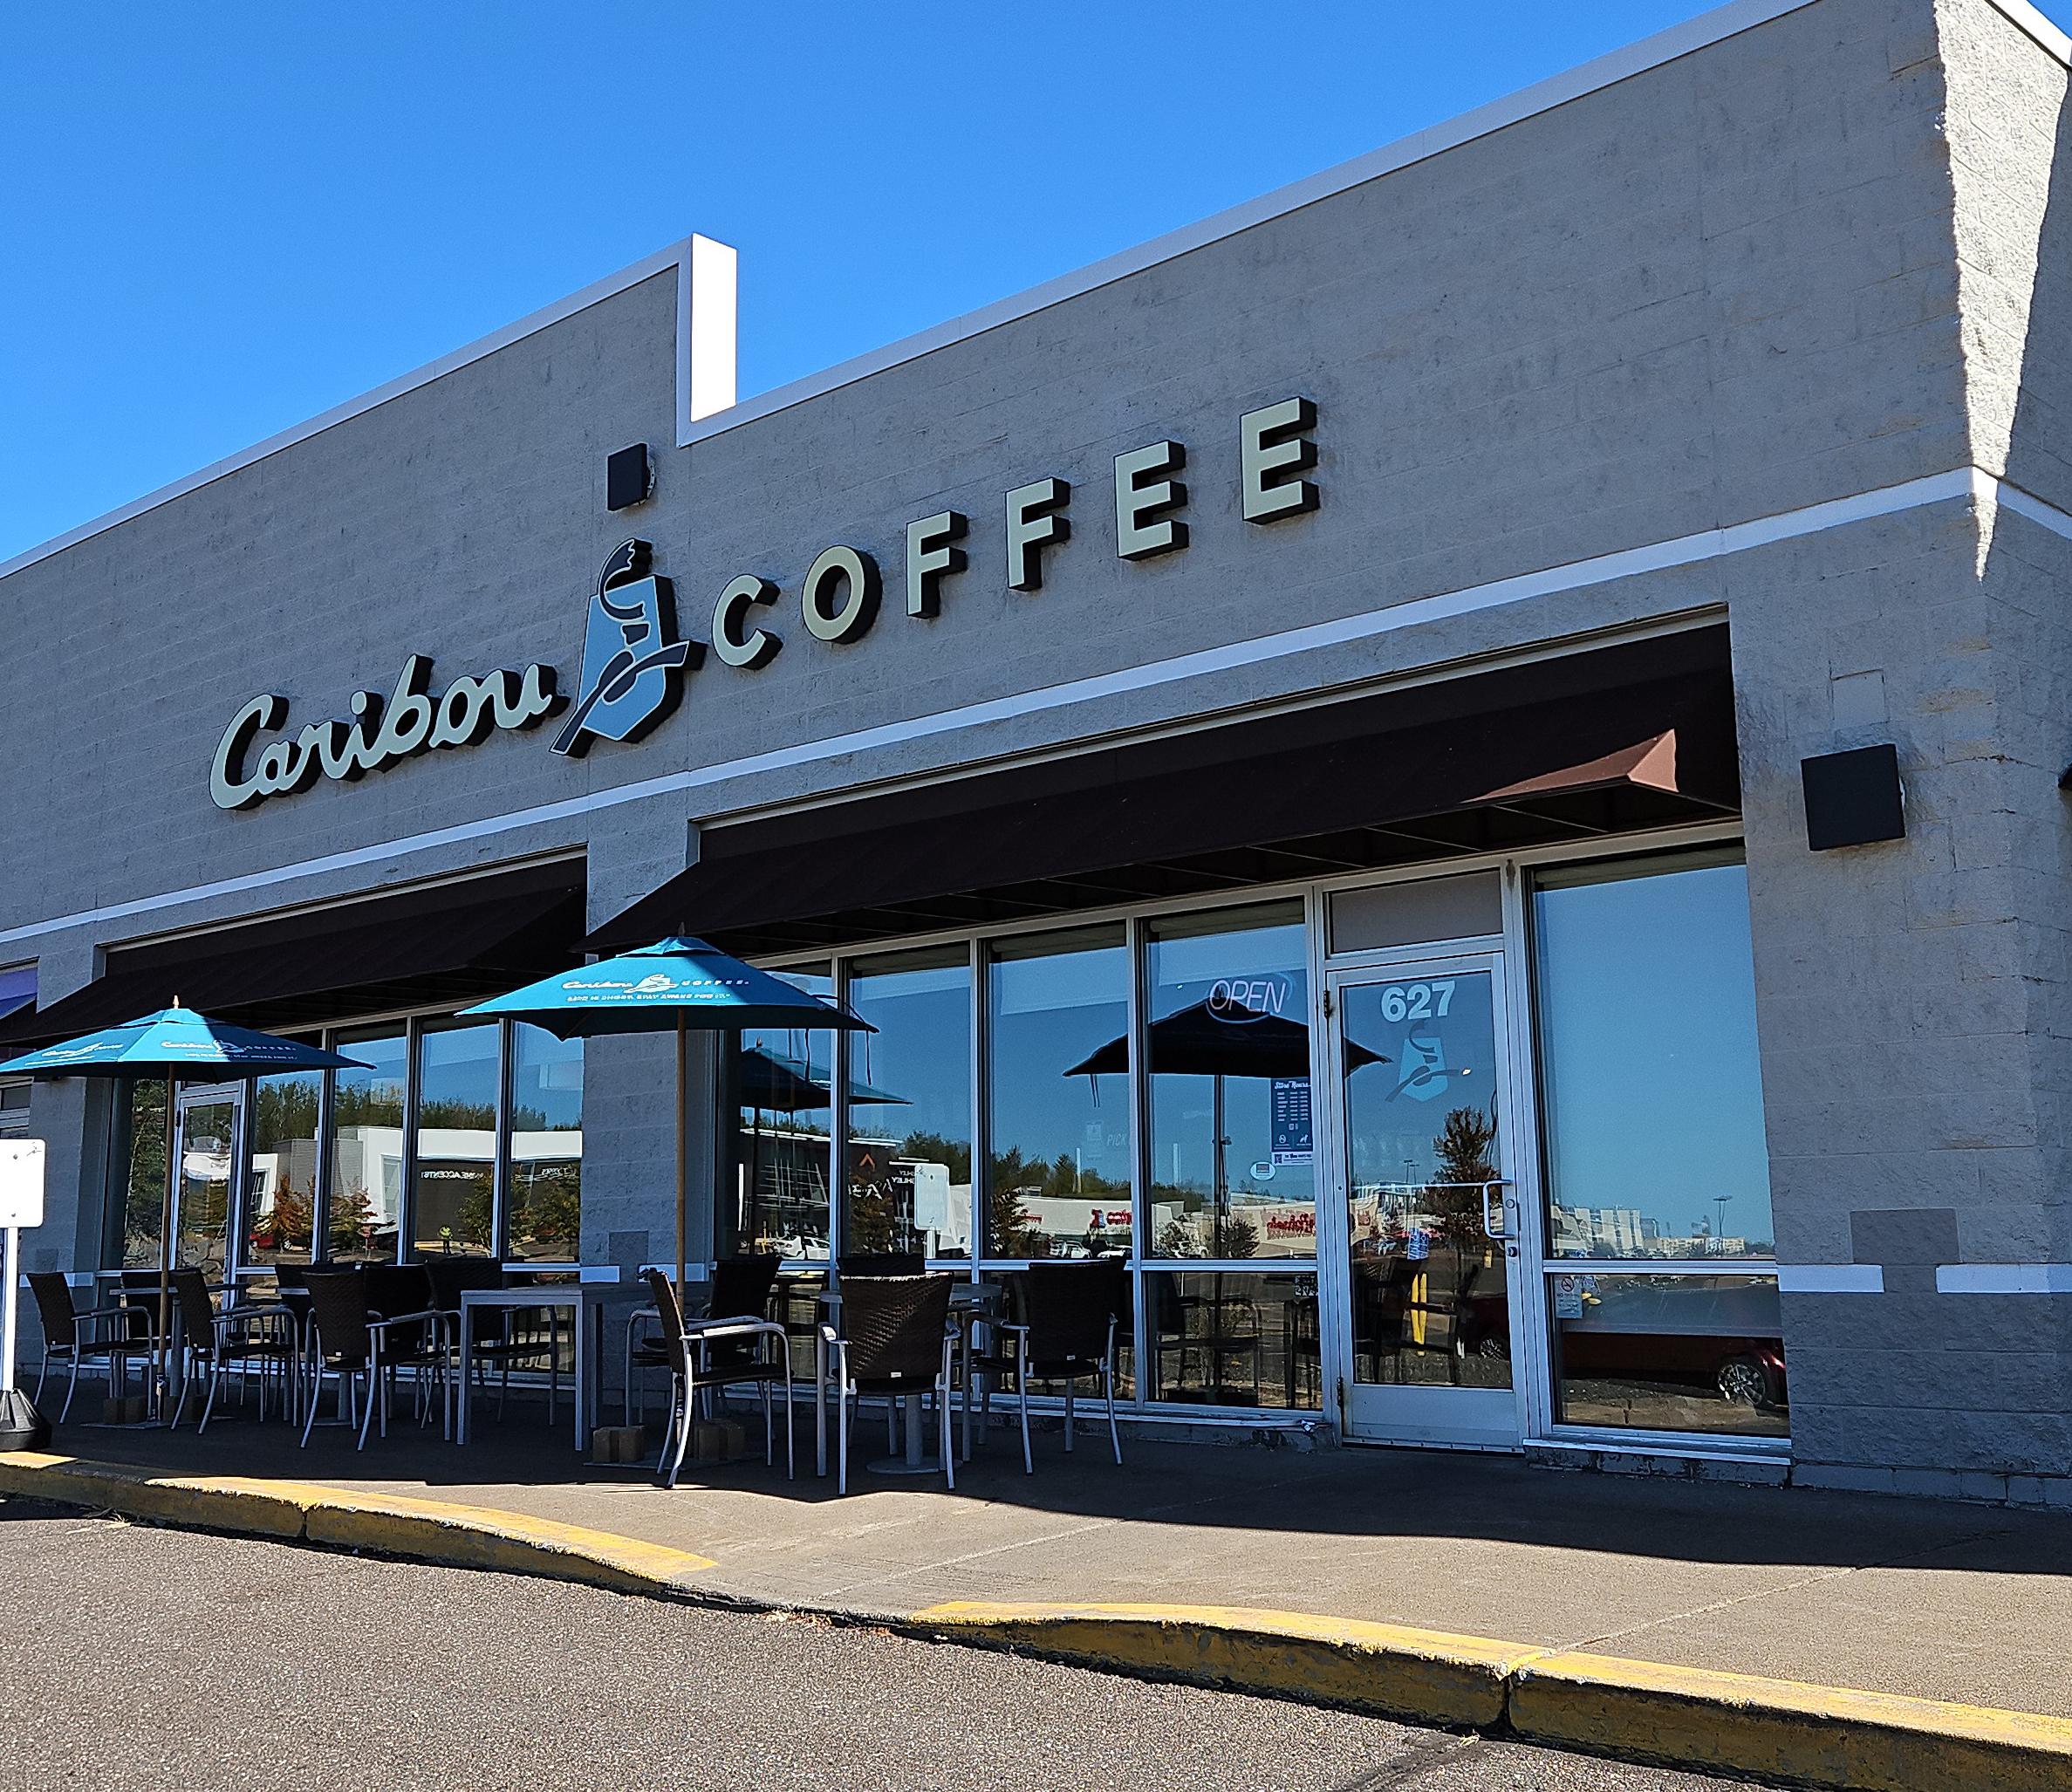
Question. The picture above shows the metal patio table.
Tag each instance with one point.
(585, 1304)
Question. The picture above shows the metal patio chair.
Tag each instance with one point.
(740, 1289)
(1070, 1316)
(895, 1339)
(349, 1341)
(75, 1337)
(293, 1294)
(233, 1342)
(518, 1339)
(723, 1353)
(422, 1345)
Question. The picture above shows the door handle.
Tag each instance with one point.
(1494, 1223)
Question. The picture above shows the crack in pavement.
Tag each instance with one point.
(1427, 1753)
(1761, 1593)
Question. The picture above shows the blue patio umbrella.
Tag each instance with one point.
(173, 1043)
(675, 985)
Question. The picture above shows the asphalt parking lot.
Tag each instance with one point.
(139, 1658)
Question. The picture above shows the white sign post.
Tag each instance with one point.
(21, 1206)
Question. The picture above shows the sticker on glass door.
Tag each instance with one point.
(1430, 1303)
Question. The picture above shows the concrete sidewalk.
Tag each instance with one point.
(1922, 1599)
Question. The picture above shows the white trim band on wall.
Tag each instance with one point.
(1831, 1278)
(2004, 1278)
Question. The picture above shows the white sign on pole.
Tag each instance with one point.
(21, 1182)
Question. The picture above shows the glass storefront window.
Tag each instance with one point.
(1057, 1078)
(1016, 1308)
(453, 1207)
(280, 1206)
(909, 1183)
(1233, 1152)
(545, 1223)
(1653, 1100)
(1224, 1337)
(1674, 1352)
(138, 1189)
(364, 1211)
(14, 1109)
(783, 1081)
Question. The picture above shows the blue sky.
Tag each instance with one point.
(216, 220)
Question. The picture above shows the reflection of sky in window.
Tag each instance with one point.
(1184, 971)
(1050, 1012)
(921, 1050)
(1260, 968)
(463, 1054)
(382, 1079)
(1647, 1005)
(547, 1076)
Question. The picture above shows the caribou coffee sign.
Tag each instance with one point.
(634, 660)
(411, 721)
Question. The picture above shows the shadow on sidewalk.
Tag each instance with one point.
(1331, 1493)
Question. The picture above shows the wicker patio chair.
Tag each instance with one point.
(895, 1339)
(73, 1336)
(719, 1353)
(348, 1340)
(1071, 1314)
(212, 1343)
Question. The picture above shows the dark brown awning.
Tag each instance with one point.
(460, 941)
(1609, 741)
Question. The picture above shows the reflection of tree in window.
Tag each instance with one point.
(1016, 1231)
(546, 1218)
(284, 1113)
(145, 1195)
(1461, 1147)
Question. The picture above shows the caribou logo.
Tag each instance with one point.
(633, 661)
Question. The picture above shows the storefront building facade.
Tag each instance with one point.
(1460, 765)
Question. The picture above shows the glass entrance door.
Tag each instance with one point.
(1423, 1117)
(210, 1136)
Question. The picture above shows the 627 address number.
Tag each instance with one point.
(1416, 1002)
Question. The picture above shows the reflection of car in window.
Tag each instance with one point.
(1685, 1336)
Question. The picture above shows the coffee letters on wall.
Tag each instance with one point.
(639, 658)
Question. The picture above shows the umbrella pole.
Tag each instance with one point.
(165, 1261)
(683, 1144)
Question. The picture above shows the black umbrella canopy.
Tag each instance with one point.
(771, 1079)
(1202, 1041)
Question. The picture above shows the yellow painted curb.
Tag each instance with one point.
(1426, 1675)
(1689, 1718)
(419, 1530)
(479, 1536)
(1786, 1729)
(1810, 1735)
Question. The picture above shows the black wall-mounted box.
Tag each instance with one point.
(625, 477)
(1853, 799)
